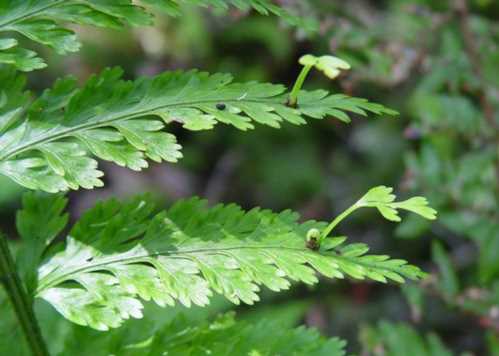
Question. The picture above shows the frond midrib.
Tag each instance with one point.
(44, 285)
(137, 259)
(68, 132)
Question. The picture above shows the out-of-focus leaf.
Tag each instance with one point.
(391, 339)
(448, 282)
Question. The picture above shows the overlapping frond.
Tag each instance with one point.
(225, 336)
(263, 7)
(119, 253)
(44, 21)
(49, 144)
(183, 336)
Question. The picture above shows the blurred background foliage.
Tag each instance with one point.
(435, 61)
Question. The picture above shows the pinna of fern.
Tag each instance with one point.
(119, 253)
(49, 144)
(44, 21)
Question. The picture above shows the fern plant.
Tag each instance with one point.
(119, 254)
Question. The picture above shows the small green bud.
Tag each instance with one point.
(329, 65)
(313, 234)
(313, 237)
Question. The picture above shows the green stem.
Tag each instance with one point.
(338, 219)
(20, 300)
(293, 96)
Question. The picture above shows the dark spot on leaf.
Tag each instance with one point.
(221, 106)
(313, 244)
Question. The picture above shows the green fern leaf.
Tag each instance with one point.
(38, 223)
(12, 98)
(262, 338)
(43, 21)
(263, 7)
(381, 197)
(184, 334)
(120, 252)
(50, 146)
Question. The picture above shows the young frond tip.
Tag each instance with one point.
(329, 65)
(381, 197)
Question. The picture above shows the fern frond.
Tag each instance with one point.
(224, 335)
(43, 21)
(263, 7)
(120, 252)
(51, 146)
(262, 338)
